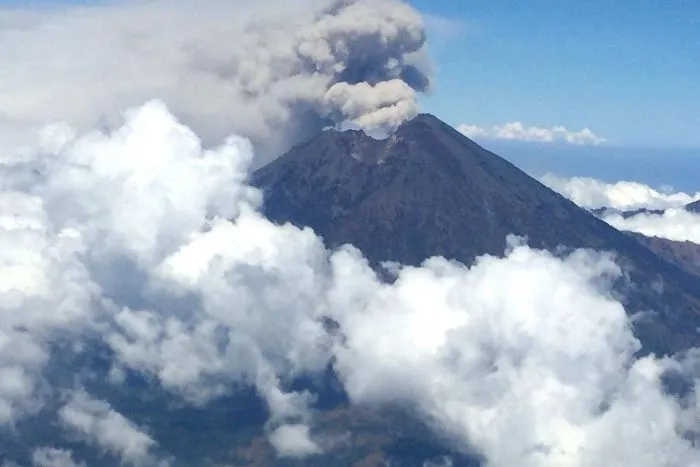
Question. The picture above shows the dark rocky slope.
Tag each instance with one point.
(685, 255)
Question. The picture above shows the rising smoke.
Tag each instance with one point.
(273, 71)
(122, 239)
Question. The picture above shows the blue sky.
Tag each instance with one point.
(629, 70)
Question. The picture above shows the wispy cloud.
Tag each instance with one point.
(519, 132)
(443, 30)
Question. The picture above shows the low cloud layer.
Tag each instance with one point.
(154, 246)
(590, 193)
(519, 132)
(272, 70)
(670, 221)
(674, 224)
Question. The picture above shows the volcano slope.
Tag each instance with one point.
(428, 190)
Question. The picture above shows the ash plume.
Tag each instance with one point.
(274, 71)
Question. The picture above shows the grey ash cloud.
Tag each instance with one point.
(274, 71)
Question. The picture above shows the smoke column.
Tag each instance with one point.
(276, 72)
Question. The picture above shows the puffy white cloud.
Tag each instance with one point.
(45, 286)
(258, 68)
(674, 224)
(520, 132)
(546, 366)
(88, 211)
(624, 195)
(50, 457)
(97, 422)
(148, 262)
(157, 244)
(293, 441)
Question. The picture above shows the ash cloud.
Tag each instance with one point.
(542, 374)
(273, 71)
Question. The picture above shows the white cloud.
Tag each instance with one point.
(293, 441)
(520, 132)
(674, 224)
(148, 203)
(97, 422)
(533, 366)
(45, 286)
(257, 68)
(623, 195)
(50, 457)
(136, 242)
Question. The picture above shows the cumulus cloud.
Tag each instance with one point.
(622, 198)
(547, 366)
(51, 457)
(45, 286)
(623, 195)
(155, 245)
(520, 132)
(98, 423)
(293, 441)
(126, 234)
(75, 216)
(673, 224)
(274, 71)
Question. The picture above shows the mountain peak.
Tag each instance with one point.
(424, 119)
(411, 139)
(425, 176)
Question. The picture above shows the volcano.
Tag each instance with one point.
(428, 190)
